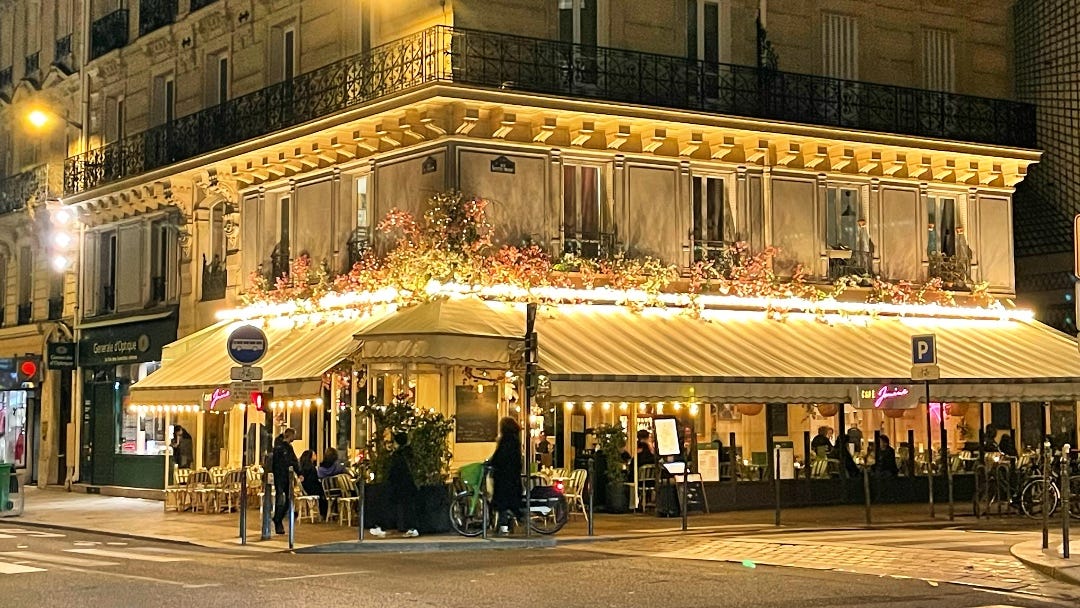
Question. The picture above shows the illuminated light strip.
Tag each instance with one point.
(338, 306)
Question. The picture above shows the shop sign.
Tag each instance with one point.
(126, 343)
(887, 397)
(430, 165)
(60, 355)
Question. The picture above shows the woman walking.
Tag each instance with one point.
(506, 473)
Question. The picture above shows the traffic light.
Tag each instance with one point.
(259, 401)
(29, 371)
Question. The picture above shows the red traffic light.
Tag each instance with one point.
(29, 370)
(258, 401)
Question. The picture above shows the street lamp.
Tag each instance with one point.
(40, 118)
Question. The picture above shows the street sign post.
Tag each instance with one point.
(924, 367)
(246, 373)
(246, 346)
(924, 350)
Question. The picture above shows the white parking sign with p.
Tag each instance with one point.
(924, 350)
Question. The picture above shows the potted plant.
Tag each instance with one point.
(611, 443)
(429, 436)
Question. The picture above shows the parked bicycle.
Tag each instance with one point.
(470, 508)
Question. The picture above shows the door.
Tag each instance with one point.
(578, 23)
(103, 447)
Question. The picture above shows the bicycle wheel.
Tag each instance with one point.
(548, 515)
(1031, 498)
(467, 515)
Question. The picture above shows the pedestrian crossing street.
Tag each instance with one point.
(967, 541)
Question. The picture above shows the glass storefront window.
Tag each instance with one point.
(13, 427)
(141, 433)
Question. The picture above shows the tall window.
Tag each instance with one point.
(939, 60)
(115, 118)
(703, 40)
(26, 276)
(844, 218)
(107, 271)
(585, 221)
(840, 46)
(217, 78)
(279, 258)
(941, 226)
(160, 260)
(3, 288)
(283, 49)
(578, 21)
(713, 223)
(164, 99)
(360, 238)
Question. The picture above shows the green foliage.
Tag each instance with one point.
(611, 441)
(429, 436)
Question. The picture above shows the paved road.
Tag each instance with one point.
(42, 568)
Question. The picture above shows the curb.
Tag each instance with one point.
(160, 539)
(1054, 572)
(404, 546)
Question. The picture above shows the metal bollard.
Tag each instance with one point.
(591, 483)
(1066, 496)
(292, 508)
(361, 491)
(484, 511)
(1046, 495)
(866, 493)
(776, 482)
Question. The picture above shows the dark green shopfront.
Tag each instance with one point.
(120, 447)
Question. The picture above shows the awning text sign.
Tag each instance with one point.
(886, 397)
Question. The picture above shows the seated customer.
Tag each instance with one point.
(645, 454)
(885, 464)
(330, 464)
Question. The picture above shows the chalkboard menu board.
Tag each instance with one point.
(477, 415)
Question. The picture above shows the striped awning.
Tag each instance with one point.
(613, 353)
(300, 351)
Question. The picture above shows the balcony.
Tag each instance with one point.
(197, 4)
(850, 263)
(500, 61)
(953, 270)
(109, 33)
(359, 242)
(63, 57)
(40, 183)
(32, 67)
(589, 245)
(56, 308)
(214, 280)
(155, 14)
(24, 311)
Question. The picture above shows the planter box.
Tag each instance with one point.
(433, 511)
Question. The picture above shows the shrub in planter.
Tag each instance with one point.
(611, 442)
(429, 434)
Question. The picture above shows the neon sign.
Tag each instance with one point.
(889, 396)
(218, 395)
(884, 394)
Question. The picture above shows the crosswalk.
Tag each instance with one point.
(966, 541)
(83, 557)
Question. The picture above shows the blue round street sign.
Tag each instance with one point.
(246, 344)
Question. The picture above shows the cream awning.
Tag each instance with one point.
(299, 352)
(613, 353)
(456, 331)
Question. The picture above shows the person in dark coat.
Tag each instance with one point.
(309, 479)
(403, 490)
(282, 459)
(506, 472)
(331, 464)
(183, 447)
(645, 453)
(885, 462)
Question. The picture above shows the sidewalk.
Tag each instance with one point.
(142, 518)
(1050, 561)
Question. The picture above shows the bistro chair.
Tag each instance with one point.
(347, 499)
(646, 486)
(228, 491)
(177, 493)
(333, 494)
(574, 491)
(201, 491)
(306, 505)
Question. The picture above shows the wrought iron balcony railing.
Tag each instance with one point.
(38, 184)
(154, 14)
(214, 280)
(25, 311)
(56, 307)
(849, 263)
(589, 245)
(31, 66)
(953, 270)
(63, 57)
(486, 59)
(109, 33)
(197, 4)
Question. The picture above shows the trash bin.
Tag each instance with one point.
(5, 485)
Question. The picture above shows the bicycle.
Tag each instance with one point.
(1034, 488)
(470, 511)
